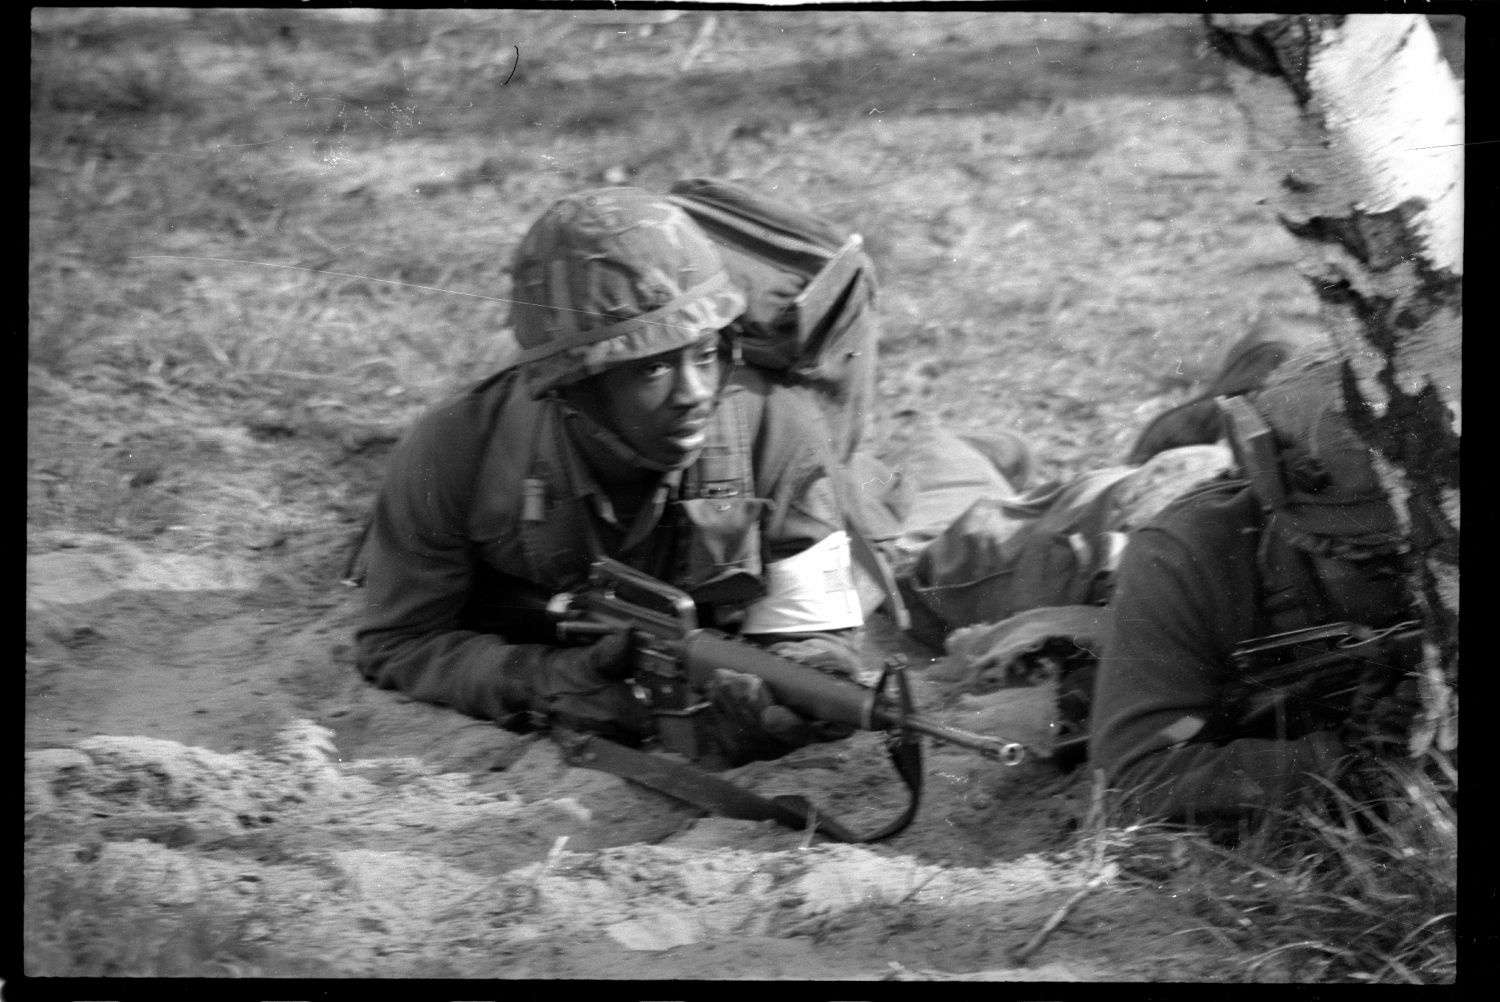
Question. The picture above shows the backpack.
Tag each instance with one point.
(810, 293)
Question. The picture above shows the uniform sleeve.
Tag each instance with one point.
(794, 469)
(1158, 680)
(1180, 605)
(419, 572)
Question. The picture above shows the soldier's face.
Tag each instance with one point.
(661, 405)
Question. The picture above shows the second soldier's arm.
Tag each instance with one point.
(1182, 600)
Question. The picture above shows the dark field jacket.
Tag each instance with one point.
(1189, 590)
(488, 509)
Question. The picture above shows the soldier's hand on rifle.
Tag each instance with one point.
(751, 725)
(584, 688)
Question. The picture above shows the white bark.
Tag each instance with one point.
(1395, 115)
(1362, 124)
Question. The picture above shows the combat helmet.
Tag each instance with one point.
(1307, 465)
(610, 276)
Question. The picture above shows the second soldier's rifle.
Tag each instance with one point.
(676, 662)
(1288, 683)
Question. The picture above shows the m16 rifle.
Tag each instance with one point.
(676, 661)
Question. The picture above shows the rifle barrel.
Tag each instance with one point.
(826, 697)
(1008, 752)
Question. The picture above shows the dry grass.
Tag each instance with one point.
(1363, 886)
(1353, 887)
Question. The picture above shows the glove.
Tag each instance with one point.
(583, 688)
(827, 655)
(750, 725)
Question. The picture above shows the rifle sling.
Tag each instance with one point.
(692, 785)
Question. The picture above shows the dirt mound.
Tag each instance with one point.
(387, 867)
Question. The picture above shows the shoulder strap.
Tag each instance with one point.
(692, 785)
(1289, 589)
(879, 568)
(724, 468)
(527, 517)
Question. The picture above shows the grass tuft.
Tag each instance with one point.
(1358, 886)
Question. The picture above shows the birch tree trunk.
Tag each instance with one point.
(1362, 123)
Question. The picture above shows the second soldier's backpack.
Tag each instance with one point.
(810, 319)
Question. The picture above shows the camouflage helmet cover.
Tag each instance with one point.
(1331, 484)
(610, 276)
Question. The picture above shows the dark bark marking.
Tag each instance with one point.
(1438, 286)
(1373, 312)
(1416, 431)
(1248, 50)
(1416, 435)
(1379, 240)
(1295, 185)
(1406, 37)
(1280, 48)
